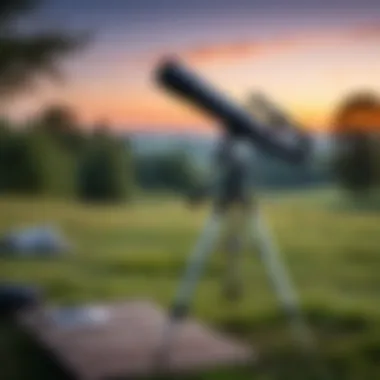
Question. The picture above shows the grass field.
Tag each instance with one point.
(140, 251)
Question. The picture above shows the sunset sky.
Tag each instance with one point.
(305, 55)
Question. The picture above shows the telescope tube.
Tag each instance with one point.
(290, 144)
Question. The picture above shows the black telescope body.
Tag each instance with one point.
(289, 144)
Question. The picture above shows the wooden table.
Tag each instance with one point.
(121, 340)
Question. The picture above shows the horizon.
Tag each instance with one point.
(305, 56)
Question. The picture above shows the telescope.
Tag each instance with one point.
(272, 133)
(288, 143)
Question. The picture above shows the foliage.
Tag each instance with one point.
(358, 112)
(171, 171)
(25, 58)
(62, 124)
(106, 171)
(46, 156)
(353, 162)
(52, 156)
(357, 161)
(33, 164)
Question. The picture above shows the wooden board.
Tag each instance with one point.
(122, 340)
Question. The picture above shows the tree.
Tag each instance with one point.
(36, 160)
(171, 171)
(178, 174)
(25, 58)
(356, 162)
(34, 164)
(58, 119)
(359, 112)
(106, 172)
(62, 124)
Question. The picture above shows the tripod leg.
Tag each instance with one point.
(285, 292)
(232, 286)
(180, 308)
(280, 279)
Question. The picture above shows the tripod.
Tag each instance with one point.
(231, 188)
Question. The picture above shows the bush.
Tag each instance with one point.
(32, 164)
(168, 172)
(106, 171)
(60, 160)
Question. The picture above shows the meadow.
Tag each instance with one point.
(140, 251)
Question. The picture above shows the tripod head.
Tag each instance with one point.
(232, 172)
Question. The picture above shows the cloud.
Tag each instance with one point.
(240, 50)
(370, 31)
(237, 51)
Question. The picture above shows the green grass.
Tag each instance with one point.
(140, 251)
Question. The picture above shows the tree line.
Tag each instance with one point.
(51, 156)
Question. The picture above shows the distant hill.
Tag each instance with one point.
(270, 172)
(199, 147)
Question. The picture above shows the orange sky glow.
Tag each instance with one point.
(306, 72)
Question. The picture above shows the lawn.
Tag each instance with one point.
(140, 251)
